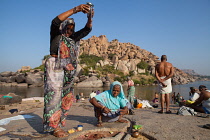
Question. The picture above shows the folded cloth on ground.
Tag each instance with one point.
(19, 117)
(41, 99)
(2, 129)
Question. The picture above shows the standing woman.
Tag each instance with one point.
(60, 68)
(131, 91)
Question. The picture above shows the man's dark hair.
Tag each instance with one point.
(163, 57)
(202, 86)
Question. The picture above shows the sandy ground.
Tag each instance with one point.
(155, 125)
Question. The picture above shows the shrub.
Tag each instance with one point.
(41, 67)
(89, 60)
(143, 81)
(110, 56)
(131, 73)
(118, 79)
(142, 65)
(136, 81)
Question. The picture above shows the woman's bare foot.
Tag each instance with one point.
(60, 133)
(99, 124)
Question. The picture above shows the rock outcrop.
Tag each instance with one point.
(126, 56)
(10, 98)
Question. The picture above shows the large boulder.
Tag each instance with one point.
(11, 79)
(6, 74)
(91, 83)
(122, 67)
(10, 98)
(35, 80)
(20, 78)
(106, 84)
(3, 79)
(25, 68)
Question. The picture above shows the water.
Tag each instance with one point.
(142, 92)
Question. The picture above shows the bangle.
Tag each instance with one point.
(102, 107)
(75, 10)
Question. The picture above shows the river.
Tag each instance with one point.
(142, 92)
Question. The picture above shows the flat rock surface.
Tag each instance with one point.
(155, 125)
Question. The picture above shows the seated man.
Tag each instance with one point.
(110, 105)
(193, 95)
(204, 99)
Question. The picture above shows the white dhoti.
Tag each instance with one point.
(168, 88)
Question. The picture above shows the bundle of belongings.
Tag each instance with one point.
(186, 111)
(142, 104)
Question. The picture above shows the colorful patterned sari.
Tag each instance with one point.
(58, 89)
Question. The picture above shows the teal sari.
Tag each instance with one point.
(111, 102)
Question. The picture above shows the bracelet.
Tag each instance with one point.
(75, 10)
(102, 107)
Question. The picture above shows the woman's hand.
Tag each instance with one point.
(124, 111)
(106, 110)
(83, 8)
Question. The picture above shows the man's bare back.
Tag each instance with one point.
(164, 69)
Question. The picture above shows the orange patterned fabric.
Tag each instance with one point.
(55, 119)
(64, 51)
(67, 101)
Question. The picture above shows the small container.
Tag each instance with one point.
(135, 134)
(79, 127)
(71, 131)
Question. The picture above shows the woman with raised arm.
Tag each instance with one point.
(60, 68)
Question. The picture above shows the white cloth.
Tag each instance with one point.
(206, 103)
(19, 117)
(194, 97)
(2, 129)
(145, 103)
(93, 94)
(165, 90)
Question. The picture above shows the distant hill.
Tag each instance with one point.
(190, 71)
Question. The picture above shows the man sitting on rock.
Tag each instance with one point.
(204, 99)
(110, 105)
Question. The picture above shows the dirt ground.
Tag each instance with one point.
(155, 125)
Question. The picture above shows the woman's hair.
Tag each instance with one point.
(116, 85)
(64, 24)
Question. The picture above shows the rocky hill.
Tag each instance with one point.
(126, 56)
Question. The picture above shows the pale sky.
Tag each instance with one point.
(179, 29)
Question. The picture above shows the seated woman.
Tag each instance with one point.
(110, 105)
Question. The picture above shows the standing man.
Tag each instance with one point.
(60, 68)
(163, 72)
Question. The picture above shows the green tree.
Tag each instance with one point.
(142, 65)
(89, 60)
